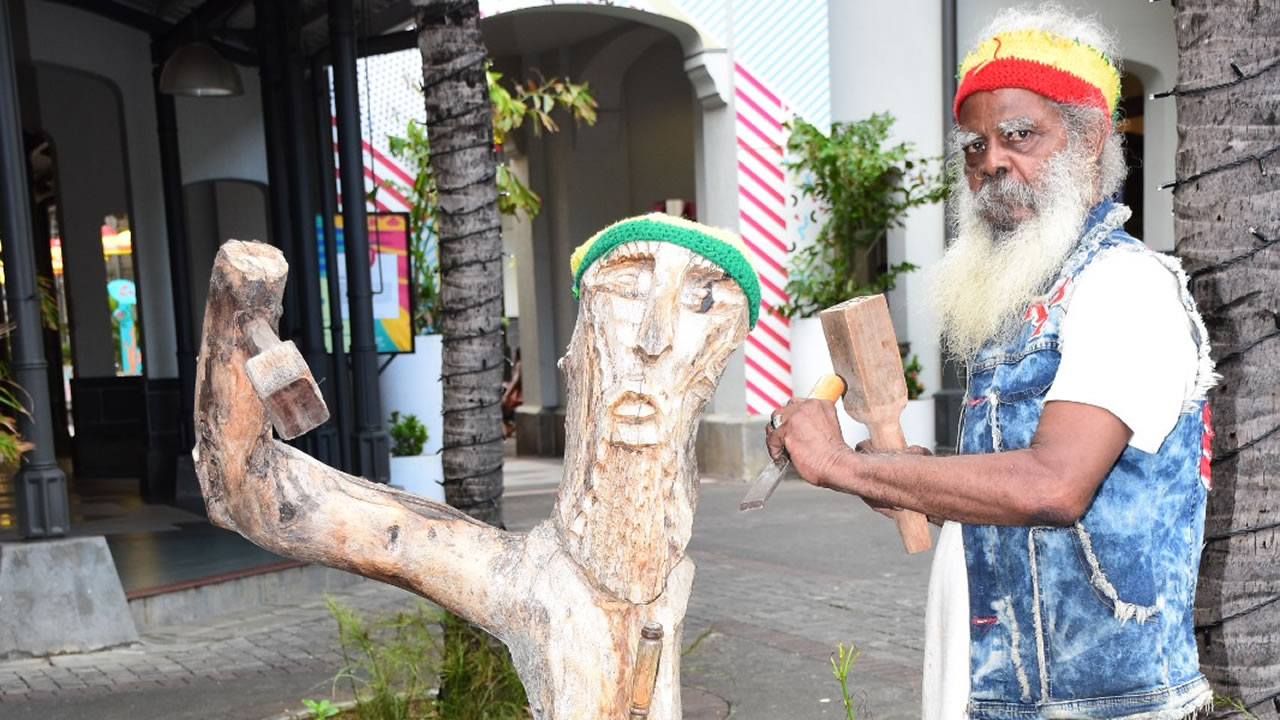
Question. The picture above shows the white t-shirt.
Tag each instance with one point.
(1128, 347)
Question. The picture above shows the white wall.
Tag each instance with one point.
(1147, 37)
(62, 35)
(873, 70)
(222, 138)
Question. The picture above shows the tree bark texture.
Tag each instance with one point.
(460, 127)
(568, 598)
(1236, 282)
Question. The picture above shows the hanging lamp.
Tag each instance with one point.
(197, 69)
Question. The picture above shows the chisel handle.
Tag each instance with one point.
(829, 387)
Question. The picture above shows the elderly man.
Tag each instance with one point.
(1064, 576)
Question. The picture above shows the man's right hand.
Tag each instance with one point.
(865, 448)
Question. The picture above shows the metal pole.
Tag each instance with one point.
(41, 484)
(328, 209)
(186, 487)
(277, 131)
(322, 442)
(373, 446)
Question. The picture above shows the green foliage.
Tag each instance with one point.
(911, 371)
(393, 661)
(865, 186)
(11, 443)
(320, 709)
(840, 663)
(477, 679)
(390, 661)
(534, 100)
(1226, 701)
(408, 434)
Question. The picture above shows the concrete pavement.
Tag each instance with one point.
(775, 591)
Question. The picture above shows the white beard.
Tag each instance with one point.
(996, 268)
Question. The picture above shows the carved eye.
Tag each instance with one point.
(632, 278)
(703, 292)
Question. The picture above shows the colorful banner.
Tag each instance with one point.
(389, 278)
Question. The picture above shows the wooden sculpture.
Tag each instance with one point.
(656, 325)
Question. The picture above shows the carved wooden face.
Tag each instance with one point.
(671, 314)
(655, 328)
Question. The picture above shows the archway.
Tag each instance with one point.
(648, 147)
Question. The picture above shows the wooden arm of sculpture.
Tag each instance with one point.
(294, 505)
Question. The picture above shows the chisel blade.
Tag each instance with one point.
(766, 482)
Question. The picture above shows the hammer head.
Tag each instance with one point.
(864, 351)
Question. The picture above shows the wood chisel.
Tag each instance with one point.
(829, 388)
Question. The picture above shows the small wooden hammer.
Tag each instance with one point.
(283, 382)
(864, 351)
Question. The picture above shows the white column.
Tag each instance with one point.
(875, 67)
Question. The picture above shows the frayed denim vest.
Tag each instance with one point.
(1092, 620)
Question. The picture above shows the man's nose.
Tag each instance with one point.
(995, 164)
(653, 337)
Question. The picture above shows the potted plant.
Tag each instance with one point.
(410, 469)
(861, 186)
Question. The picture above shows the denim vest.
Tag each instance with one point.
(1092, 620)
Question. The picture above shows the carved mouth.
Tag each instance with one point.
(635, 420)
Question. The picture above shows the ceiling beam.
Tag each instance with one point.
(122, 14)
(199, 25)
(154, 27)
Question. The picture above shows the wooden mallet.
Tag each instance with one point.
(283, 382)
(864, 351)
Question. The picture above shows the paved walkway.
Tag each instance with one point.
(775, 591)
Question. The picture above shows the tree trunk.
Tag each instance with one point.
(1236, 282)
(460, 126)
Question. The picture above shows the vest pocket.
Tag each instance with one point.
(1096, 634)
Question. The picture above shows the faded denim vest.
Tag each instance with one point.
(1092, 620)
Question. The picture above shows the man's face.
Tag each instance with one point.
(670, 313)
(1007, 137)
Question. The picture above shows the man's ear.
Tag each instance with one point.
(1101, 131)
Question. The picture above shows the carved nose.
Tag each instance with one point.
(654, 335)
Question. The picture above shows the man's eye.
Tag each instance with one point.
(1019, 135)
(974, 147)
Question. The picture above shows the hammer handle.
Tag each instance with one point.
(912, 526)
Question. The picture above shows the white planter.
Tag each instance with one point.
(419, 474)
(917, 423)
(810, 361)
(411, 385)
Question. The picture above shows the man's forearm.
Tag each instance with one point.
(1008, 488)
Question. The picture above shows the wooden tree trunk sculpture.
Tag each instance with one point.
(655, 328)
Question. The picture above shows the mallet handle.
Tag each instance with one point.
(913, 527)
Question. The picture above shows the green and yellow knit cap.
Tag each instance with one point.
(720, 246)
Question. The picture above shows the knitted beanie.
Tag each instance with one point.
(1059, 68)
(715, 244)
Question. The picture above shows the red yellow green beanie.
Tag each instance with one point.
(721, 247)
(1059, 68)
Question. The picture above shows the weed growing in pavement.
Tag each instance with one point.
(840, 662)
(320, 709)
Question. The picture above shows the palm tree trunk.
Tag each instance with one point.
(459, 122)
(1225, 221)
